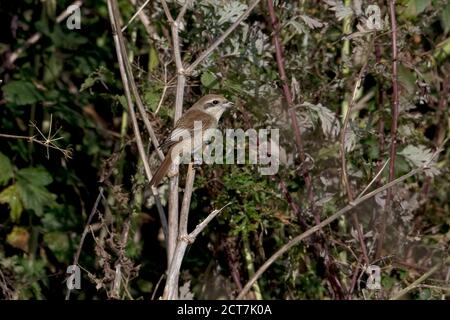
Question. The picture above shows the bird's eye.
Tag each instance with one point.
(215, 101)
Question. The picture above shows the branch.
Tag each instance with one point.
(138, 12)
(48, 142)
(171, 288)
(319, 226)
(85, 232)
(394, 113)
(216, 43)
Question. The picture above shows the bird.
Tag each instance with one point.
(208, 110)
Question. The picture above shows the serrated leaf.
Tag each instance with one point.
(299, 27)
(6, 169)
(209, 80)
(341, 11)
(88, 82)
(102, 74)
(419, 156)
(21, 93)
(36, 176)
(34, 197)
(445, 18)
(415, 7)
(231, 12)
(329, 121)
(311, 22)
(11, 196)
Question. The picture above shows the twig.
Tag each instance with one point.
(47, 142)
(135, 15)
(319, 226)
(345, 180)
(171, 288)
(394, 123)
(413, 285)
(85, 232)
(37, 36)
(157, 286)
(146, 22)
(163, 95)
(216, 43)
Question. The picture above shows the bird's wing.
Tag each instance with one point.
(185, 126)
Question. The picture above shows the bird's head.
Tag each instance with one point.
(214, 104)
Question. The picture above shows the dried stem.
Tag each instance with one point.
(113, 15)
(85, 232)
(47, 142)
(138, 12)
(171, 288)
(413, 285)
(345, 180)
(394, 124)
(179, 97)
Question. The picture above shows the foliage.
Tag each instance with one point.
(66, 87)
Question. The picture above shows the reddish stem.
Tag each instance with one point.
(394, 124)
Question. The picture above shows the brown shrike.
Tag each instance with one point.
(203, 115)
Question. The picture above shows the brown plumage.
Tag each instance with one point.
(208, 110)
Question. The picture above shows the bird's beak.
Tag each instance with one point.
(229, 105)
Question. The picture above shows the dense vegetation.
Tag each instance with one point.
(67, 148)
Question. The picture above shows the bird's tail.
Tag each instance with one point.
(162, 170)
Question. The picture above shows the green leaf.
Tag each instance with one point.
(21, 93)
(415, 7)
(11, 196)
(53, 68)
(445, 18)
(102, 74)
(30, 183)
(58, 242)
(151, 99)
(34, 197)
(36, 176)
(6, 169)
(209, 80)
(153, 60)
